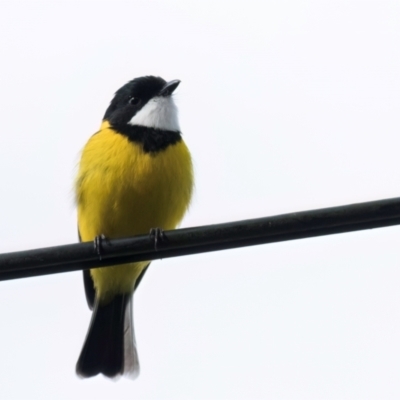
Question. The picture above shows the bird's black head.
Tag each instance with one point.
(148, 99)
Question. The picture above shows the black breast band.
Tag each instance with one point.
(152, 139)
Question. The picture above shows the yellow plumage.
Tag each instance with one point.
(135, 174)
(123, 191)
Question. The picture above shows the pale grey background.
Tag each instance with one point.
(286, 106)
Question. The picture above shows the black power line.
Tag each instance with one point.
(180, 242)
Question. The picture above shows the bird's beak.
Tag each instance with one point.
(169, 87)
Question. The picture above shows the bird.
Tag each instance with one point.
(135, 176)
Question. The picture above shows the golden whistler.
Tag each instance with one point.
(135, 174)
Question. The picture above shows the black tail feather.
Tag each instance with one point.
(106, 344)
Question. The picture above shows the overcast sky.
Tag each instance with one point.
(286, 106)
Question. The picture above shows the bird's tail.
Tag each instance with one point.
(109, 346)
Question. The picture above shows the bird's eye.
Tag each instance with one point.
(134, 101)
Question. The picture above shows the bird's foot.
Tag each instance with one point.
(98, 240)
(158, 235)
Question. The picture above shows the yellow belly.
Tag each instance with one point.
(122, 191)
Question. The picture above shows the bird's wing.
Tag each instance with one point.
(139, 278)
(88, 283)
(89, 288)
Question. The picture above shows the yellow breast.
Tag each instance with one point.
(123, 191)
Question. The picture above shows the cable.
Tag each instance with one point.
(180, 242)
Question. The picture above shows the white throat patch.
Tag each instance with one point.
(160, 113)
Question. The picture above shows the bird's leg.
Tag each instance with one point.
(98, 240)
(158, 235)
